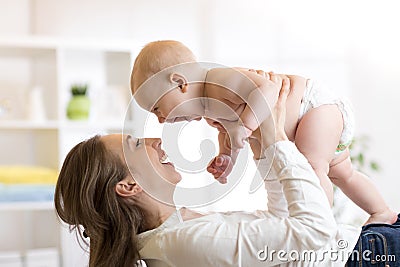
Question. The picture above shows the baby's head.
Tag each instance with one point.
(156, 56)
(164, 79)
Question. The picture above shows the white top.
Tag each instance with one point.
(298, 225)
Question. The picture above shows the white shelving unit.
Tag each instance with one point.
(54, 65)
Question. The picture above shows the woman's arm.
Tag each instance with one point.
(310, 220)
(218, 240)
(258, 104)
(223, 241)
(276, 204)
(309, 224)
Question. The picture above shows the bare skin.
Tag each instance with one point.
(148, 153)
(236, 101)
(317, 143)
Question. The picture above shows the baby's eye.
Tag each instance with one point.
(155, 109)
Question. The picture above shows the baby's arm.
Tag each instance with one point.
(221, 166)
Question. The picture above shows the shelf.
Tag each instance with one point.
(26, 206)
(47, 42)
(55, 125)
(28, 125)
(91, 125)
(54, 64)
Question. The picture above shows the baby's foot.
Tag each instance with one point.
(387, 216)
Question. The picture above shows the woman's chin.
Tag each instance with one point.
(176, 180)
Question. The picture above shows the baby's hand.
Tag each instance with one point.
(220, 167)
(238, 135)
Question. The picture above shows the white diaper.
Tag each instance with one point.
(317, 95)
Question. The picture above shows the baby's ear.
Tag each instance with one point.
(180, 80)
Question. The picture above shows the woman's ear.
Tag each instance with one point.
(180, 80)
(127, 188)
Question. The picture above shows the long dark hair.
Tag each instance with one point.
(85, 197)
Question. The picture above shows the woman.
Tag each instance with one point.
(109, 185)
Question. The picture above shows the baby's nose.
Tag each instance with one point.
(161, 119)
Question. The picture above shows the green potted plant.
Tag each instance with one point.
(360, 160)
(79, 106)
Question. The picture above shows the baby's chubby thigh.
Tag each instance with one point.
(318, 135)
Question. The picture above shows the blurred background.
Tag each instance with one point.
(48, 46)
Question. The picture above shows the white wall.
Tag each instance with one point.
(350, 45)
(374, 74)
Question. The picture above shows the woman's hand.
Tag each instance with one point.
(273, 128)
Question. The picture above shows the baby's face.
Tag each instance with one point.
(176, 106)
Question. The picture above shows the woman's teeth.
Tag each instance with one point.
(164, 159)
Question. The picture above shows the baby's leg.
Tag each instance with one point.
(360, 189)
(317, 137)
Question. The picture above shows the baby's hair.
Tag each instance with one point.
(156, 56)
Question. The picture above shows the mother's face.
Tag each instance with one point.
(145, 159)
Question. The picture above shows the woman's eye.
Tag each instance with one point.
(138, 142)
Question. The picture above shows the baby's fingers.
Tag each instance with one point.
(219, 161)
(261, 73)
(273, 77)
(211, 170)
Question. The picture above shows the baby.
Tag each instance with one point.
(168, 81)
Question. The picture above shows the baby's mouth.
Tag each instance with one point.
(185, 118)
(178, 119)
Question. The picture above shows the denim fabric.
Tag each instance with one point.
(378, 246)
